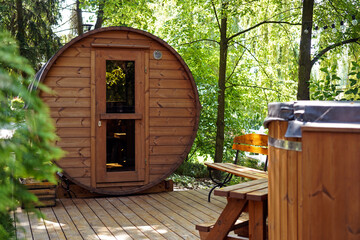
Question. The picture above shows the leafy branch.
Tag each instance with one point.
(259, 24)
(328, 48)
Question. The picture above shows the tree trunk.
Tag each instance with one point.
(220, 124)
(79, 21)
(100, 15)
(305, 51)
(20, 35)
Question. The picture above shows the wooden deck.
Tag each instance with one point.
(171, 215)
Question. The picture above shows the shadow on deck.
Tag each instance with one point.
(170, 215)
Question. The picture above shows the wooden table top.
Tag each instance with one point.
(256, 190)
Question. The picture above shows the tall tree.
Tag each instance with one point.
(337, 11)
(31, 24)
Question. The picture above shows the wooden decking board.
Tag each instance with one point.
(38, 228)
(200, 209)
(144, 227)
(201, 202)
(205, 197)
(52, 225)
(117, 231)
(95, 222)
(171, 215)
(120, 219)
(188, 208)
(71, 230)
(159, 226)
(182, 226)
(213, 197)
(190, 217)
(23, 229)
(82, 225)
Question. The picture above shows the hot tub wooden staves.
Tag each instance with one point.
(125, 106)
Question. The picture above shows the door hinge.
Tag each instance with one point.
(99, 123)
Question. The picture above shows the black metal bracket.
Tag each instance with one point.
(65, 184)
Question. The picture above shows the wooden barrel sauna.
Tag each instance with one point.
(126, 109)
(312, 170)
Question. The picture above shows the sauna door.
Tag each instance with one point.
(119, 116)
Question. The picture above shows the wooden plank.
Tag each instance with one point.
(170, 84)
(120, 219)
(82, 72)
(184, 227)
(165, 64)
(172, 103)
(171, 122)
(72, 122)
(157, 230)
(73, 162)
(160, 169)
(252, 149)
(172, 112)
(66, 102)
(38, 228)
(66, 82)
(167, 140)
(172, 93)
(252, 139)
(68, 92)
(79, 172)
(165, 159)
(73, 142)
(52, 225)
(237, 170)
(69, 112)
(66, 223)
(73, 132)
(226, 190)
(81, 223)
(94, 221)
(171, 131)
(200, 201)
(77, 152)
(179, 210)
(204, 198)
(205, 214)
(147, 119)
(121, 35)
(117, 231)
(166, 150)
(23, 230)
(65, 61)
(168, 74)
(243, 192)
(74, 51)
(93, 119)
(257, 219)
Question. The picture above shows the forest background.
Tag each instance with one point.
(242, 54)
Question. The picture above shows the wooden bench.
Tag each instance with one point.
(250, 196)
(253, 143)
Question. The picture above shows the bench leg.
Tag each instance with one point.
(218, 184)
(227, 219)
(257, 220)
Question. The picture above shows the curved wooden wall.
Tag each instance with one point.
(173, 115)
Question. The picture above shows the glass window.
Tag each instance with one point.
(120, 145)
(120, 86)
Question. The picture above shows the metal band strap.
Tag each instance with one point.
(285, 144)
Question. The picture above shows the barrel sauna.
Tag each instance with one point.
(125, 106)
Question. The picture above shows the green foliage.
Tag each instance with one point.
(36, 38)
(29, 152)
(7, 229)
(192, 168)
(327, 88)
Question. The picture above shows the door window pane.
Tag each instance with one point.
(120, 86)
(120, 145)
